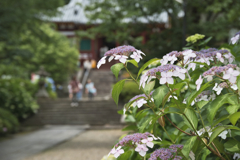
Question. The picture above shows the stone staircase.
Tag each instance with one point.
(103, 81)
(59, 112)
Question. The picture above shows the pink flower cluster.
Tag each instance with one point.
(121, 50)
(167, 72)
(167, 153)
(140, 141)
(121, 53)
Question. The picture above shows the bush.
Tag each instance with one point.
(130, 89)
(16, 97)
(8, 122)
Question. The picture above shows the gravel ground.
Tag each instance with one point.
(89, 145)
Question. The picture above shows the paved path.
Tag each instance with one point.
(22, 146)
(89, 145)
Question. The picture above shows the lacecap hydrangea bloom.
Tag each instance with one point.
(121, 53)
(139, 141)
(235, 38)
(167, 153)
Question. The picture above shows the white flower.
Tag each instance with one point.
(199, 82)
(166, 77)
(191, 65)
(140, 52)
(234, 87)
(180, 73)
(175, 97)
(209, 77)
(229, 56)
(212, 97)
(101, 61)
(188, 54)
(110, 58)
(218, 89)
(192, 155)
(231, 75)
(235, 39)
(173, 59)
(148, 142)
(139, 103)
(220, 58)
(236, 156)
(201, 60)
(136, 56)
(121, 58)
(150, 78)
(156, 138)
(141, 149)
(184, 101)
(204, 98)
(116, 152)
(223, 135)
(165, 59)
(143, 80)
(202, 131)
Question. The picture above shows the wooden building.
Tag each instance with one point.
(73, 18)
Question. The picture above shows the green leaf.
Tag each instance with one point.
(149, 87)
(232, 108)
(117, 88)
(146, 123)
(196, 93)
(234, 117)
(232, 146)
(205, 41)
(233, 99)
(192, 117)
(125, 155)
(132, 127)
(116, 68)
(215, 105)
(133, 62)
(159, 94)
(146, 64)
(188, 146)
(201, 104)
(220, 120)
(238, 82)
(216, 132)
(178, 86)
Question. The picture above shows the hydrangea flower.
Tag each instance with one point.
(141, 149)
(166, 77)
(199, 82)
(116, 152)
(167, 153)
(101, 61)
(236, 156)
(139, 103)
(231, 75)
(217, 88)
(180, 73)
(136, 56)
(235, 39)
(202, 131)
(220, 58)
(148, 142)
(223, 135)
(121, 58)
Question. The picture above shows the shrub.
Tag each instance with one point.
(8, 122)
(16, 97)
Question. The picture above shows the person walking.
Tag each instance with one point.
(90, 89)
(74, 89)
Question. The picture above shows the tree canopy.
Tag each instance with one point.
(27, 41)
(121, 21)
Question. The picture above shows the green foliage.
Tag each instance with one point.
(16, 97)
(8, 122)
(130, 89)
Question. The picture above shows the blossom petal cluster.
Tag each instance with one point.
(121, 53)
(167, 72)
(167, 153)
(140, 141)
(235, 38)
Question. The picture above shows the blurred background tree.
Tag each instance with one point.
(27, 42)
(121, 20)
